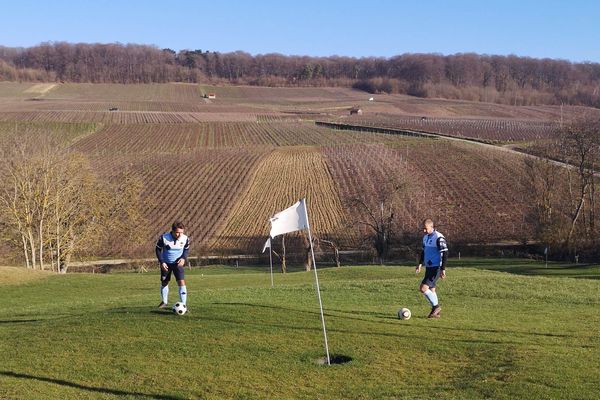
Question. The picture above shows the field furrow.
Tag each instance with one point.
(280, 180)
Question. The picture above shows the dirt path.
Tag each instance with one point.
(41, 88)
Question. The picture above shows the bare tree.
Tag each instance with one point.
(334, 247)
(56, 206)
(282, 255)
(580, 146)
(379, 217)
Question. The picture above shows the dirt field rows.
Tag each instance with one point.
(225, 165)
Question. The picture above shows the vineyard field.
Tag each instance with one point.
(257, 95)
(152, 138)
(124, 117)
(163, 92)
(66, 133)
(280, 180)
(199, 188)
(461, 186)
(490, 130)
(225, 165)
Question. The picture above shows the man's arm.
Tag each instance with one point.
(444, 260)
(186, 249)
(159, 249)
(184, 254)
(421, 259)
(443, 248)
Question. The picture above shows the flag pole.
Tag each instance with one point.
(271, 261)
(317, 281)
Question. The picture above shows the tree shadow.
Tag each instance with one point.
(93, 389)
(553, 270)
(504, 341)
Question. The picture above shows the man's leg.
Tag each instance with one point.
(182, 291)
(429, 294)
(435, 310)
(165, 277)
(180, 276)
(428, 290)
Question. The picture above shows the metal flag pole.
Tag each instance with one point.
(317, 281)
(271, 260)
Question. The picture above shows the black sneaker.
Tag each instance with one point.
(435, 312)
(162, 305)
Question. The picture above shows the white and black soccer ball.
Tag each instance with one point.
(179, 308)
(404, 313)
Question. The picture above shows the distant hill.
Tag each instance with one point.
(498, 79)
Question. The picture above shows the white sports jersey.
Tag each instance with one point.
(172, 249)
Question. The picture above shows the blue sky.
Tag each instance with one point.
(553, 29)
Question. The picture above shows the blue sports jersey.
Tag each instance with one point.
(434, 246)
(169, 249)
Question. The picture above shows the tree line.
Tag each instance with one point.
(565, 209)
(53, 206)
(502, 79)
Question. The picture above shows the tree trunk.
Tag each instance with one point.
(308, 263)
(576, 216)
(41, 238)
(283, 266)
(308, 260)
(32, 248)
(25, 251)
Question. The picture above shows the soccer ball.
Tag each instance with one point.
(179, 308)
(404, 313)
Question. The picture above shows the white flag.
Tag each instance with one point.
(289, 220)
(267, 245)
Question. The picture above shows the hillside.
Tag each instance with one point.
(225, 165)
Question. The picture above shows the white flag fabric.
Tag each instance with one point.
(289, 220)
(267, 245)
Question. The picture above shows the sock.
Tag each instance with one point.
(432, 297)
(183, 294)
(435, 299)
(164, 293)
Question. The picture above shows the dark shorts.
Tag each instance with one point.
(178, 271)
(432, 274)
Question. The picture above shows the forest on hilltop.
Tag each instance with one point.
(489, 78)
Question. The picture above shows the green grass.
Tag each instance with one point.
(533, 267)
(502, 336)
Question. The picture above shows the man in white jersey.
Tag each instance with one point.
(435, 256)
(172, 250)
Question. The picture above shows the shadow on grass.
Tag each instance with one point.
(532, 268)
(18, 321)
(503, 341)
(141, 309)
(327, 312)
(74, 385)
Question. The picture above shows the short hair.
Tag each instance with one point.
(177, 225)
(428, 222)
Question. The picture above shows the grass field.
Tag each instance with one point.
(502, 335)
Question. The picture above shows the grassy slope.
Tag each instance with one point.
(501, 336)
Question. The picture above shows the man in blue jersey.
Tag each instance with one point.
(172, 250)
(435, 256)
